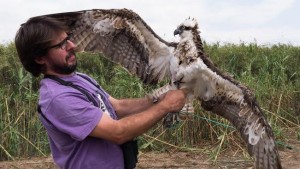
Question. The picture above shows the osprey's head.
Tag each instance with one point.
(186, 27)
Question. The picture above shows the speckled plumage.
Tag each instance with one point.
(124, 38)
(222, 95)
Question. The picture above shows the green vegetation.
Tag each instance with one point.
(273, 73)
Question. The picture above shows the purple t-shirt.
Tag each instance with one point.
(72, 118)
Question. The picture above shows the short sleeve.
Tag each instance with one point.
(73, 114)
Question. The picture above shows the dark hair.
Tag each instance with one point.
(32, 39)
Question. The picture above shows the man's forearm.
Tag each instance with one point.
(131, 106)
(137, 124)
(148, 114)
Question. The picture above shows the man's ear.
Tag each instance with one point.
(40, 60)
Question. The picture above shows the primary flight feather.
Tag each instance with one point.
(124, 38)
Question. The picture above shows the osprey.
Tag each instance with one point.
(125, 38)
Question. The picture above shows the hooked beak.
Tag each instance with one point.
(178, 31)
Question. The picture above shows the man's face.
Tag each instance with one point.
(61, 58)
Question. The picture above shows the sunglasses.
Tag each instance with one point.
(63, 44)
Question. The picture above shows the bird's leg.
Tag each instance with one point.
(171, 119)
(187, 111)
(160, 91)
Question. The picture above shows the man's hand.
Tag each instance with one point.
(173, 100)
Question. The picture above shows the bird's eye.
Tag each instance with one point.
(187, 28)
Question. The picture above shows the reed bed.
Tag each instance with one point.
(272, 72)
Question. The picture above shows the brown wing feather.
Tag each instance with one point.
(264, 151)
(123, 37)
(247, 117)
(236, 103)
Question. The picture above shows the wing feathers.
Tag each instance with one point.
(253, 128)
(124, 38)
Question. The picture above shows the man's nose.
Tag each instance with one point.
(70, 45)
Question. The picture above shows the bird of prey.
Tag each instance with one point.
(125, 38)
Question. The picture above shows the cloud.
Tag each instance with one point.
(230, 20)
(241, 12)
(262, 36)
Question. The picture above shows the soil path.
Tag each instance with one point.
(178, 160)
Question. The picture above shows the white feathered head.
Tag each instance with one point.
(188, 25)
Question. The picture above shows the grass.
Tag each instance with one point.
(272, 72)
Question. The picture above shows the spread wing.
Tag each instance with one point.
(237, 104)
(219, 93)
(123, 37)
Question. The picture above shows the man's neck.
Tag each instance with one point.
(59, 74)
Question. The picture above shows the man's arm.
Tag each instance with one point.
(124, 107)
(120, 131)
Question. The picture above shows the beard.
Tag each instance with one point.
(66, 69)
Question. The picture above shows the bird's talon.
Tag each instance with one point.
(178, 82)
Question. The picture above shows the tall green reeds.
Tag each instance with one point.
(272, 72)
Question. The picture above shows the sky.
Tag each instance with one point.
(265, 22)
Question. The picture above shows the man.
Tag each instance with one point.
(83, 133)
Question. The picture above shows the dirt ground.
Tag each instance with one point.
(178, 160)
(230, 159)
